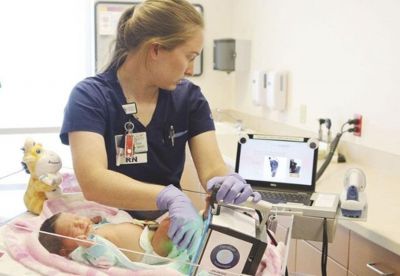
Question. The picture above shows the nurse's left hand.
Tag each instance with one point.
(186, 224)
(233, 189)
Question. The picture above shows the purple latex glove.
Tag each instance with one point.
(186, 225)
(234, 189)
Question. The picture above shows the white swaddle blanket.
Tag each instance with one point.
(105, 254)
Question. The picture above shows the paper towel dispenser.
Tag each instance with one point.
(231, 55)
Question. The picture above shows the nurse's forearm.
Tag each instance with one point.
(207, 157)
(219, 170)
(117, 190)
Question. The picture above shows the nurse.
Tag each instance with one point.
(127, 127)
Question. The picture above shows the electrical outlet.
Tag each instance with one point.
(358, 126)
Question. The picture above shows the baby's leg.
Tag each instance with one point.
(161, 243)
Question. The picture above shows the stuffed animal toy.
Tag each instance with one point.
(43, 166)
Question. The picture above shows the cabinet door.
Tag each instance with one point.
(339, 248)
(349, 273)
(308, 260)
(363, 251)
(291, 262)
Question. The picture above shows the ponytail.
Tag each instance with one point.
(167, 22)
(121, 49)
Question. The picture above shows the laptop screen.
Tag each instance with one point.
(277, 161)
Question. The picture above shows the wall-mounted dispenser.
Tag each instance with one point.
(276, 90)
(231, 55)
(269, 88)
(259, 87)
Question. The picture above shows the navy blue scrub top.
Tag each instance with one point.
(95, 105)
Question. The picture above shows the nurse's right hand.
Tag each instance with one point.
(186, 225)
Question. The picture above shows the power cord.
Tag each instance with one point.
(334, 144)
(350, 122)
(324, 254)
(10, 174)
(332, 148)
(328, 159)
(25, 168)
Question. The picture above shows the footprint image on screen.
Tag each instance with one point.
(294, 168)
(274, 166)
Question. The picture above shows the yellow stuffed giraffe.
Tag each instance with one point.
(43, 166)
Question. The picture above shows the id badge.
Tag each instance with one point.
(140, 142)
(131, 148)
(129, 145)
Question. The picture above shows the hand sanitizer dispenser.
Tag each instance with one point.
(276, 90)
(259, 87)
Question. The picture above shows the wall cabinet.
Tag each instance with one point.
(349, 255)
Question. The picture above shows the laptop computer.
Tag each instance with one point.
(282, 165)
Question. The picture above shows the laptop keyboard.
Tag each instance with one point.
(284, 197)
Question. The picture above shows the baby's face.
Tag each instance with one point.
(72, 225)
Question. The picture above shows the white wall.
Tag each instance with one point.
(44, 52)
(216, 85)
(342, 57)
(45, 49)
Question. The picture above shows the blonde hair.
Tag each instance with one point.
(166, 22)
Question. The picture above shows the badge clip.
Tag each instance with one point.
(129, 147)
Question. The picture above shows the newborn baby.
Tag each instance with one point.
(137, 236)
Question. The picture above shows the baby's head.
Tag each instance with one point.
(64, 224)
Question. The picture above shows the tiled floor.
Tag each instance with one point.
(13, 179)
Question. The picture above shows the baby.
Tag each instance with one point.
(137, 236)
